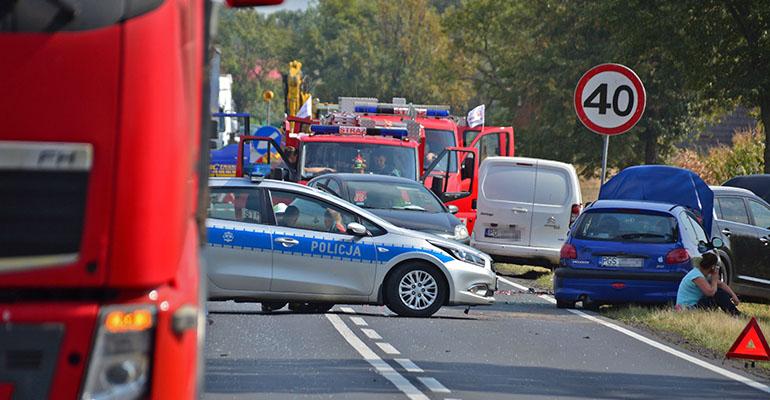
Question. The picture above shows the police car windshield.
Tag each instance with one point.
(363, 158)
(378, 195)
(627, 226)
(437, 140)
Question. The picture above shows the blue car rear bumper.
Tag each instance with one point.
(614, 287)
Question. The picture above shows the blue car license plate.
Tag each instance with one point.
(625, 262)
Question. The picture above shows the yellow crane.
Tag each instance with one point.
(295, 97)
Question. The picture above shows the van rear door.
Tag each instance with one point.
(506, 195)
(555, 193)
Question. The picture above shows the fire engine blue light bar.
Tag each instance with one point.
(437, 113)
(400, 111)
(235, 115)
(358, 130)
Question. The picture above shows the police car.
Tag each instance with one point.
(277, 242)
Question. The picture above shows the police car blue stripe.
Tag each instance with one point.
(348, 250)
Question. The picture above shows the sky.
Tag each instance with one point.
(290, 5)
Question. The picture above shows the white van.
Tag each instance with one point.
(525, 208)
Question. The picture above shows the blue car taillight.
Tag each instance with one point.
(568, 252)
(677, 256)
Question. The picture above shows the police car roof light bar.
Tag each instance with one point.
(358, 130)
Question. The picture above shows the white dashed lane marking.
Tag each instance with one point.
(408, 365)
(371, 334)
(388, 348)
(358, 321)
(434, 385)
(375, 361)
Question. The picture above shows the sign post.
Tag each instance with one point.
(609, 100)
(267, 96)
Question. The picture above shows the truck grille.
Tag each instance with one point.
(42, 202)
(28, 355)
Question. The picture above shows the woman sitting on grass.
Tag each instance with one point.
(701, 288)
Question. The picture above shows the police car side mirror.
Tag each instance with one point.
(354, 228)
(717, 243)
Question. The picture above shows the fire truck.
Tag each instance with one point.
(100, 278)
(449, 152)
(342, 145)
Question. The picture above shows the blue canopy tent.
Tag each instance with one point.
(664, 184)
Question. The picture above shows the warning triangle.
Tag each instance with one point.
(751, 344)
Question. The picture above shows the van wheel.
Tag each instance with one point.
(564, 304)
(310, 308)
(270, 306)
(415, 290)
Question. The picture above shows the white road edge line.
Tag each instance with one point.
(375, 361)
(371, 334)
(408, 365)
(358, 321)
(434, 385)
(388, 348)
(660, 346)
(511, 283)
(347, 310)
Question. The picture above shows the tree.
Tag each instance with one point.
(724, 46)
(529, 57)
(253, 45)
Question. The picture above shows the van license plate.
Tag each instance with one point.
(626, 262)
(512, 234)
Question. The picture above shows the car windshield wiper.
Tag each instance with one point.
(410, 207)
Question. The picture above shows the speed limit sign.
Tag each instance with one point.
(610, 99)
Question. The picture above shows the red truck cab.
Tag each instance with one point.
(100, 168)
(334, 148)
(451, 178)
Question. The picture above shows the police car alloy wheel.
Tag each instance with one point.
(416, 290)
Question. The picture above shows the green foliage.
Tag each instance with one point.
(522, 59)
(744, 157)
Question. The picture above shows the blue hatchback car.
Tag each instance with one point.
(637, 242)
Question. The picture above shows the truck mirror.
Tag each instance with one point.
(467, 171)
(437, 187)
(280, 174)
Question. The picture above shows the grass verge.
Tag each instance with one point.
(711, 330)
(542, 278)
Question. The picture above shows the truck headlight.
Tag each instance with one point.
(462, 255)
(461, 232)
(119, 367)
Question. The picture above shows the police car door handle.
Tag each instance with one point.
(726, 232)
(763, 240)
(519, 210)
(287, 242)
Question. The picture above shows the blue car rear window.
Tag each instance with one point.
(627, 226)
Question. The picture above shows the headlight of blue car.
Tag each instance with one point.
(461, 254)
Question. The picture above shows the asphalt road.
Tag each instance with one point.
(523, 347)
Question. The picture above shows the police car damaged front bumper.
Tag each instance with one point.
(472, 284)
